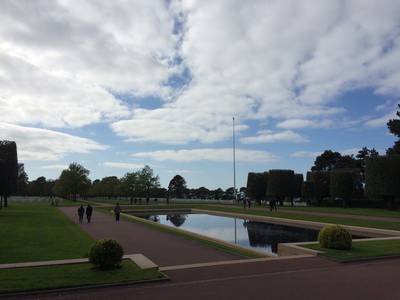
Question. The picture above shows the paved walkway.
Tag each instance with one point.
(307, 278)
(162, 248)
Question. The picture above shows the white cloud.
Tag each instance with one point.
(268, 136)
(55, 167)
(208, 154)
(43, 144)
(381, 121)
(60, 60)
(302, 123)
(122, 165)
(308, 154)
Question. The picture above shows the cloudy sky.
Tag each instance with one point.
(115, 85)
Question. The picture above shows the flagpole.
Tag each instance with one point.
(234, 159)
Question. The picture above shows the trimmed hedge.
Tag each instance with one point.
(320, 180)
(342, 183)
(256, 185)
(382, 178)
(106, 254)
(335, 237)
(307, 191)
(281, 184)
(298, 183)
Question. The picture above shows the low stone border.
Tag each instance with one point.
(139, 259)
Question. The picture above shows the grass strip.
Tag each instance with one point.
(361, 250)
(375, 212)
(50, 277)
(38, 232)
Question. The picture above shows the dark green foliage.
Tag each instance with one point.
(281, 184)
(320, 180)
(335, 237)
(8, 169)
(383, 178)
(342, 185)
(330, 160)
(73, 181)
(106, 254)
(177, 186)
(256, 185)
(22, 181)
(298, 183)
(394, 128)
(307, 191)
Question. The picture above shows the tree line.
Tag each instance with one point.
(365, 176)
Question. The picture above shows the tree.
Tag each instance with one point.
(330, 160)
(177, 186)
(362, 156)
(8, 169)
(257, 186)
(147, 180)
(394, 128)
(281, 184)
(342, 185)
(382, 178)
(38, 187)
(218, 193)
(73, 181)
(320, 180)
(22, 181)
(130, 184)
(110, 186)
(298, 183)
(307, 191)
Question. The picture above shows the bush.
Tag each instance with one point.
(320, 180)
(106, 254)
(257, 185)
(335, 237)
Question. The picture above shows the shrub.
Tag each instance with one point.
(342, 185)
(106, 254)
(320, 180)
(257, 185)
(335, 237)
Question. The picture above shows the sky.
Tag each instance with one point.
(116, 85)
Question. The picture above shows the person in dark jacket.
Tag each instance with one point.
(117, 211)
(81, 212)
(89, 211)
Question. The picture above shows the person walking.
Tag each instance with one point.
(81, 212)
(89, 211)
(117, 212)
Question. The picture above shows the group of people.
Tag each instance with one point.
(81, 213)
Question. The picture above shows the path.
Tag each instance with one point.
(310, 278)
(163, 248)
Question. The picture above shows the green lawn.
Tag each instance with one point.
(37, 231)
(13, 280)
(362, 250)
(351, 211)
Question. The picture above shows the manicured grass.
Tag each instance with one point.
(13, 280)
(377, 212)
(391, 225)
(37, 231)
(362, 250)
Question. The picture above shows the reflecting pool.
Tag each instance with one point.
(252, 234)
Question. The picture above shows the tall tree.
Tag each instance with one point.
(362, 156)
(22, 181)
(394, 128)
(177, 186)
(73, 181)
(330, 160)
(8, 169)
(148, 180)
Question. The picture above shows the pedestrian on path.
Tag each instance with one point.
(89, 211)
(81, 212)
(117, 211)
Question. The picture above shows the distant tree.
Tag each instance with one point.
(148, 180)
(177, 186)
(330, 160)
(342, 185)
(320, 182)
(218, 193)
(281, 184)
(130, 184)
(382, 178)
(257, 186)
(202, 193)
(37, 187)
(394, 128)
(362, 156)
(110, 186)
(298, 183)
(307, 191)
(8, 169)
(22, 181)
(73, 181)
